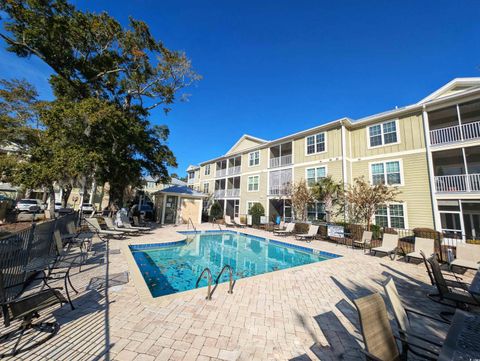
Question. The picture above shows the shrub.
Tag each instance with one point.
(256, 212)
(427, 233)
(376, 231)
(355, 230)
(216, 211)
(301, 228)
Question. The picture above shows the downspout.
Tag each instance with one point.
(344, 165)
(437, 224)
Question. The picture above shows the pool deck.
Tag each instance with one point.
(301, 313)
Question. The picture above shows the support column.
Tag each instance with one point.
(437, 223)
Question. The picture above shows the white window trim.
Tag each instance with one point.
(208, 166)
(400, 161)
(248, 183)
(314, 135)
(405, 214)
(203, 187)
(381, 127)
(248, 158)
(315, 167)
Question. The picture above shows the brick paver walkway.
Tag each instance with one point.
(301, 313)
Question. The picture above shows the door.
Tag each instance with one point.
(171, 210)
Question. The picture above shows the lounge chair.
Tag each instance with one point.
(138, 222)
(280, 227)
(238, 222)
(389, 245)
(365, 242)
(126, 223)
(228, 221)
(312, 233)
(468, 256)
(111, 226)
(287, 231)
(76, 238)
(380, 342)
(95, 227)
(402, 316)
(458, 297)
(425, 245)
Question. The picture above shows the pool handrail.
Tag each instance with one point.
(230, 272)
(214, 221)
(209, 278)
(188, 224)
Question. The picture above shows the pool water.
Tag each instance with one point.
(174, 267)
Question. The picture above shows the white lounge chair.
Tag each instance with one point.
(312, 233)
(95, 227)
(280, 227)
(111, 227)
(389, 245)
(365, 242)
(427, 245)
(468, 256)
(228, 221)
(238, 222)
(285, 232)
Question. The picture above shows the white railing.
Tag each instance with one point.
(234, 170)
(456, 133)
(219, 193)
(234, 192)
(458, 183)
(191, 180)
(281, 161)
(221, 172)
(278, 190)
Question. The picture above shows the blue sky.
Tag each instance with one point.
(273, 67)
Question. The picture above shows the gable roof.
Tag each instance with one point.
(246, 141)
(192, 167)
(455, 86)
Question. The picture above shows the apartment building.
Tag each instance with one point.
(429, 150)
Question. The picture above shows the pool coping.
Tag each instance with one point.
(178, 236)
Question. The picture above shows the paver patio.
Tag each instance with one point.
(300, 313)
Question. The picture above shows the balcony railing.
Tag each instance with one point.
(219, 193)
(191, 180)
(234, 192)
(281, 161)
(457, 183)
(234, 170)
(221, 172)
(279, 190)
(456, 133)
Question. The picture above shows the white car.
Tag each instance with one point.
(30, 205)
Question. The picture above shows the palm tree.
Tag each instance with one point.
(329, 192)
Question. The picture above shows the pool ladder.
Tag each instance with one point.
(191, 222)
(209, 279)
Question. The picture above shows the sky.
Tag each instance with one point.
(274, 67)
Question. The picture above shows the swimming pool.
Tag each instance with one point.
(174, 267)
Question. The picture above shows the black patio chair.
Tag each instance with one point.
(24, 308)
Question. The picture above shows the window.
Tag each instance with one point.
(392, 216)
(316, 143)
(191, 175)
(386, 173)
(254, 158)
(253, 183)
(383, 134)
(206, 187)
(315, 174)
(316, 211)
(207, 169)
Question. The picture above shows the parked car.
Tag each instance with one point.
(88, 208)
(30, 205)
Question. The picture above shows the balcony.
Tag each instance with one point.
(234, 170)
(460, 183)
(234, 192)
(219, 193)
(456, 133)
(221, 172)
(191, 180)
(281, 161)
(279, 190)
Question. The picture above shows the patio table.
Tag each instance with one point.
(475, 285)
(463, 341)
